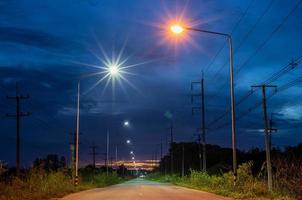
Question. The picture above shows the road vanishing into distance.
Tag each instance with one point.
(140, 189)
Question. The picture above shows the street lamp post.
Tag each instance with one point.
(178, 29)
(76, 180)
(112, 70)
(126, 123)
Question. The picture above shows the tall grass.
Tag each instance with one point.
(247, 186)
(288, 176)
(38, 184)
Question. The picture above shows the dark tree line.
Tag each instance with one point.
(219, 159)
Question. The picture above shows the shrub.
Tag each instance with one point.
(37, 184)
(247, 186)
(288, 176)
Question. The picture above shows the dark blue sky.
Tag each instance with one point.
(42, 44)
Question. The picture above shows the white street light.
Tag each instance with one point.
(126, 123)
(113, 70)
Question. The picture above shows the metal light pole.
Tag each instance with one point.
(177, 29)
(76, 180)
(112, 70)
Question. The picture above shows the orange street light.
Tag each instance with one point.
(177, 29)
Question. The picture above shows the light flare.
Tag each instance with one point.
(177, 29)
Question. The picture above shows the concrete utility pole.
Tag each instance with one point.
(201, 138)
(93, 153)
(72, 154)
(18, 116)
(107, 153)
(183, 161)
(204, 165)
(161, 154)
(271, 131)
(171, 145)
(266, 128)
(116, 164)
(199, 148)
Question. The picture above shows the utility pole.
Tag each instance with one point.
(107, 152)
(266, 128)
(171, 145)
(199, 148)
(19, 114)
(72, 154)
(161, 154)
(93, 153)
(202, 138)
(271, 131)
(155, 162)
(183, 161)
(116, 164)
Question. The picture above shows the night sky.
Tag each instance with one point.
(46, 46)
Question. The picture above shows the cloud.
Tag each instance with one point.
(30, 37)
(291, 112)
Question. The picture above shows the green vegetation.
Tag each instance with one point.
(247, 186)
(38, 184)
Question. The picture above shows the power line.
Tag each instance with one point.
(246, 36)
(255, 106)
(264, 42)
(275, 76)
(269, 37)
(233, 30)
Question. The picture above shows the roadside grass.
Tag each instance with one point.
(38, 184)
(247, 186)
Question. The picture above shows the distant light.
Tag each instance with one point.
(128, 141)
(126, 123)
(113, 70)
(131, 152)
(176, 29)
(133, 158)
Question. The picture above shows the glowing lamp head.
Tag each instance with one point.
(128, 141)
(126, 123)
(176, 29)
(113, 70)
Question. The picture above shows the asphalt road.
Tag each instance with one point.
(140, 189)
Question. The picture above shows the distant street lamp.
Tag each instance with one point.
(178, 29)
(128, 141)
(126, 123)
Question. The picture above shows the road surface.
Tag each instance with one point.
(140, 189)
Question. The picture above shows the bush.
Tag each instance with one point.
(37, 184)
(247, 186)
(102, 179)
(288, 176)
